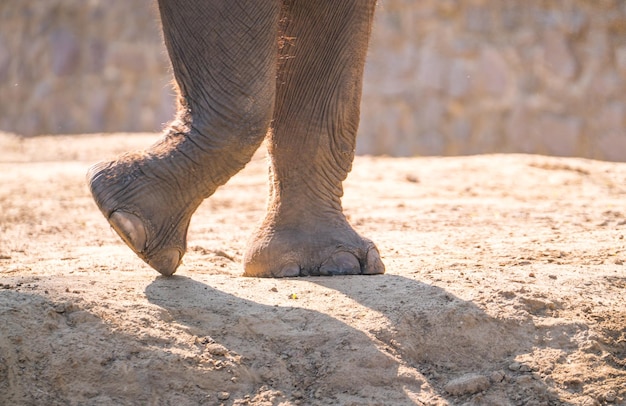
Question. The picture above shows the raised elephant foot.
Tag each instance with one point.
(149, 214)
(321, 250)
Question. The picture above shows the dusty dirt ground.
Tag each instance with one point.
(505, 285)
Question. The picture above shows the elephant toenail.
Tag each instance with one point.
(341, 263)
(130, 228)
(166, 261)
(373, 264)
(289, 270)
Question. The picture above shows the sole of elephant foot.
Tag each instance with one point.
(290, 257)
(136, 208)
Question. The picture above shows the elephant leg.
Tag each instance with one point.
(321, 57)
(223, 55)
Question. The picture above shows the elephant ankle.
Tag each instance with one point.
(200, 162)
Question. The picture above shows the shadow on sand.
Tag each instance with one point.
(55, 353)
(429, 331)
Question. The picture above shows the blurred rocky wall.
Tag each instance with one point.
(443, 77)
(477, 76)
(77, 66)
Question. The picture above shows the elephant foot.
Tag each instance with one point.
(149, 213)
(318, 250)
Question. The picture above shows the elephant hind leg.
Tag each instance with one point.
(312, 144)
(223, 55)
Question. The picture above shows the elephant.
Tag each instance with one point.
(289, 72)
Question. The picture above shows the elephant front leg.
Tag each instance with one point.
(323, 47)
(223, 55)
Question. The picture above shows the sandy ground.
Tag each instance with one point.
(505, 285)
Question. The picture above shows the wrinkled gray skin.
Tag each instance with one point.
(288, 70)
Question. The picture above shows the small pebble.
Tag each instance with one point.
(514, 366)
(412, 178)
(467, 385)
(610, 396)
(216, 349)
(496, 376)
(60, 308)
(223, 395)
